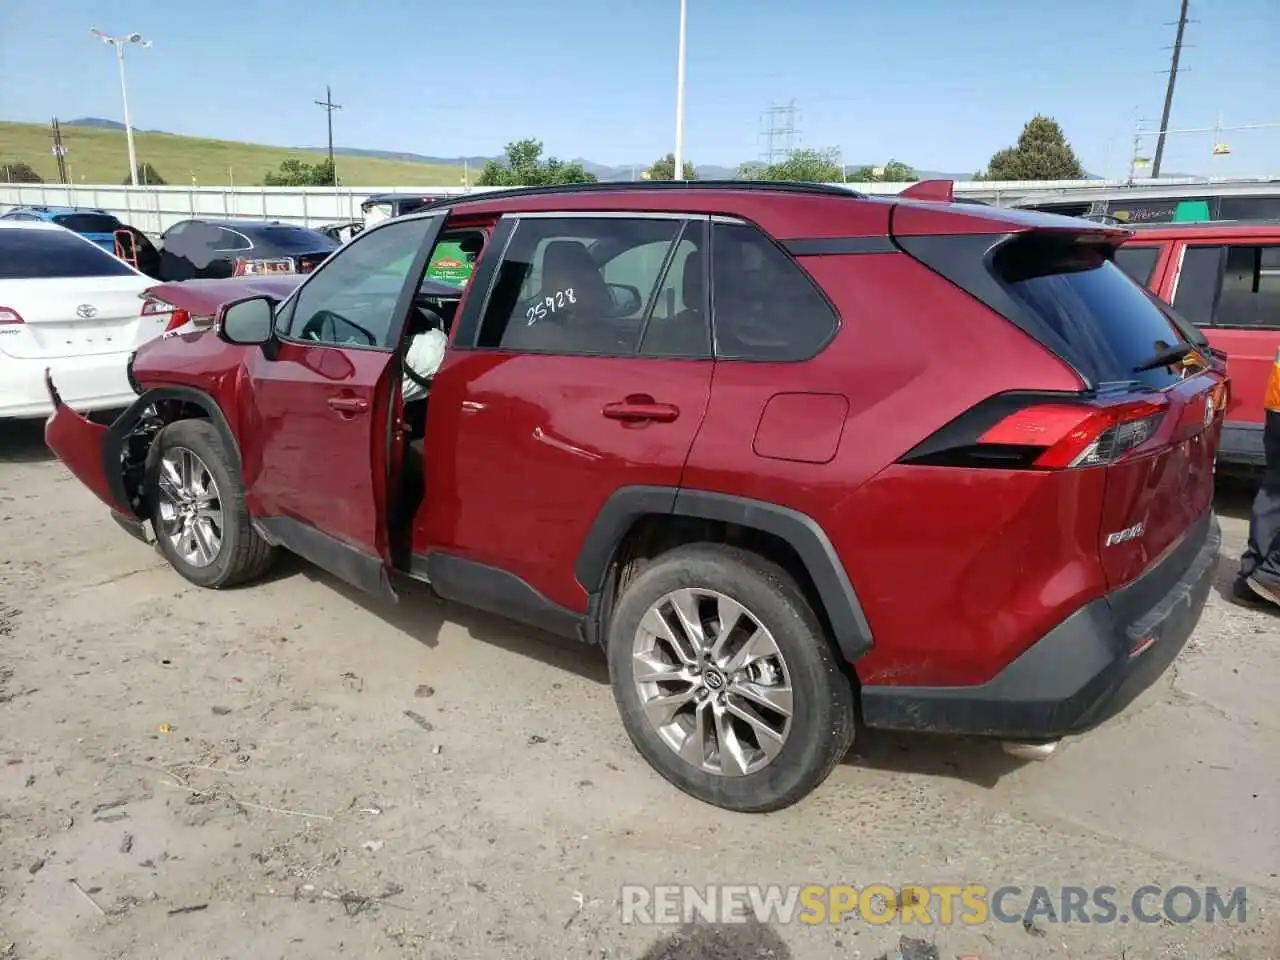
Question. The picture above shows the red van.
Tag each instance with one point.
(1225, 278)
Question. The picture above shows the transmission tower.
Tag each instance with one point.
(779, 133)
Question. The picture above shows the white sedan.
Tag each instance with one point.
(69, 306)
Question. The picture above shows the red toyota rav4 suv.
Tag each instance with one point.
(1223, 277)
(783, 450)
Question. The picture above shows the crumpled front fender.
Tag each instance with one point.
(85, 446)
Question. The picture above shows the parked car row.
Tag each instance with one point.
(73, 293)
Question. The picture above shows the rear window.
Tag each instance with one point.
(1138, 262)
(1097, 317)
(293, 239)
(48, 254)
(88, 222)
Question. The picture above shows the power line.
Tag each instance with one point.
(1168, 93)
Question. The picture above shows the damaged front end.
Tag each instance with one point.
(110, 460)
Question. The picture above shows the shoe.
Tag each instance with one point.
(1267, 591)
(1243, 594)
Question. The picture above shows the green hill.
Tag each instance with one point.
(102, 156)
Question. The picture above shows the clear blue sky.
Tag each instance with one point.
(936, 83)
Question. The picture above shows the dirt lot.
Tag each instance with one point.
(290, 770)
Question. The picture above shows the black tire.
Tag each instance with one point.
(822, 723)
(243, 555)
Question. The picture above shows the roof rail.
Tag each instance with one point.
(655, 186)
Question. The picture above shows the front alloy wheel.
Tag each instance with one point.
(190, 508)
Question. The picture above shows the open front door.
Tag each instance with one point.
(324, 395)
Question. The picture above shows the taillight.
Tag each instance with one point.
(250, 268)
(177, 316)
(1029, 434)
(9, 315)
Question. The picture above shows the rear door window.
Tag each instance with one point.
(1250, 288)
(1138, 262)
(231, 240)
(1107, 325)
(1199, 281)
(595, 286)
(49, 254)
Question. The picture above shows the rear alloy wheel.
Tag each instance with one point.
(725, 680)
(712, 682)
(198, 510)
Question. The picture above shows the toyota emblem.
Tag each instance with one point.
(86, 311)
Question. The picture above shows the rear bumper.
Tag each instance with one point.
(86, 383)
(1083, 671)
(1242, 445)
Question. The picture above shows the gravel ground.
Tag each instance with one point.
(291, 770)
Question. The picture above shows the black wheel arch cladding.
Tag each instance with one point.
(627, 505)
(123, 426)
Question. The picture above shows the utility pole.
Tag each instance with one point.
(680, 58)
(1168, 93)
(59, 150)
(329, 107)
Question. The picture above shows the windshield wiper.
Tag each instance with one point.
(1167, 358)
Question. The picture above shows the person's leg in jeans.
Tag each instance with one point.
(1260, 565)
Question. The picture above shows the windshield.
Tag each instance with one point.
(50, 254)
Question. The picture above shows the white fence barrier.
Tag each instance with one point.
(154, 209)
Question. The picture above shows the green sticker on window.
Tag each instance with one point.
(450, 265)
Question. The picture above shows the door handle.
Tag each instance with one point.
(349, 406)
(641, 408)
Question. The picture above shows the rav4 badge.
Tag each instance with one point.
(1127, 534)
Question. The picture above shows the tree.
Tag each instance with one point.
(1042, 153)
(523, 166)
(895, 171)
(665, 169)
(148, 176)
(295, 173)
(811, 166)
(19, 172)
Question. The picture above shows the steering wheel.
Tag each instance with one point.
(315, 328)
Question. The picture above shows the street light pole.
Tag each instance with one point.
(679, 171)
(119, 44)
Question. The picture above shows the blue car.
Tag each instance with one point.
(96, 225)
(99, 227)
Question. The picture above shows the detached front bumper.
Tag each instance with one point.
(89, 450)
(1085, 670)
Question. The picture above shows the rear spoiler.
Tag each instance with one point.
(931, 191)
